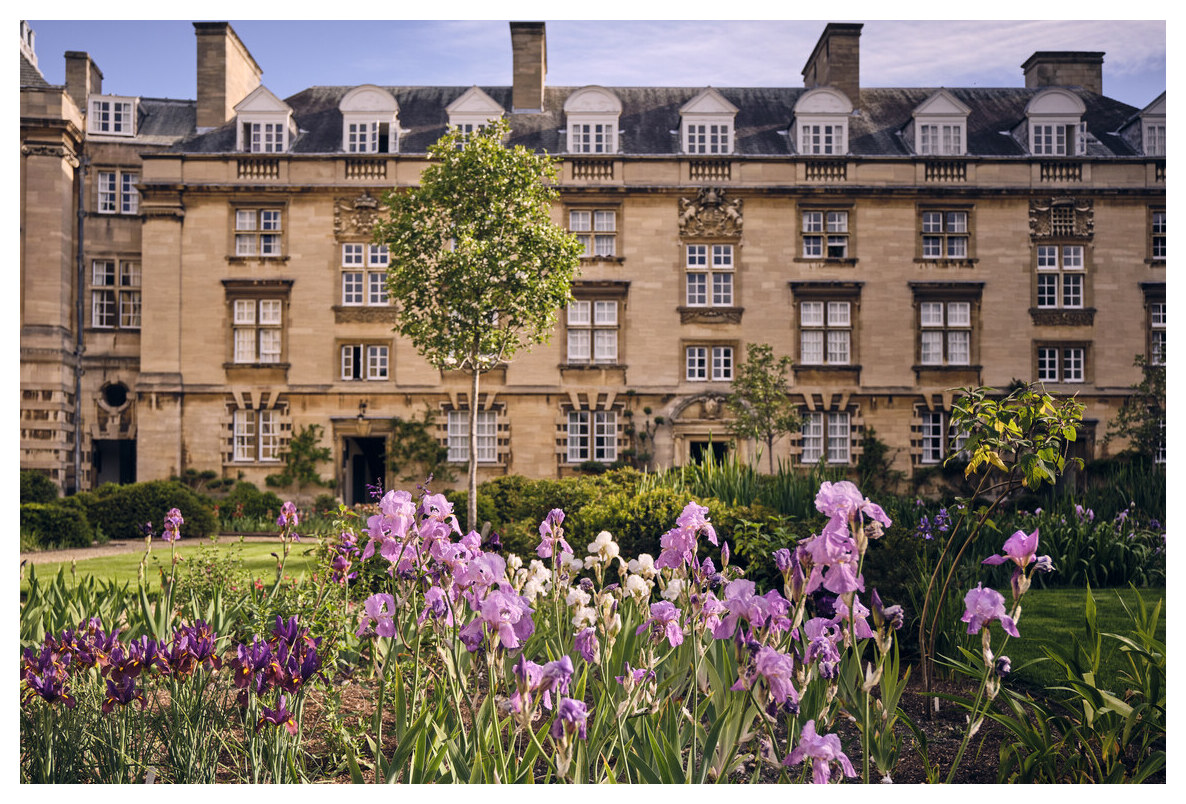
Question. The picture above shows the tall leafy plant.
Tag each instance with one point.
(759, 404)
(478, 269)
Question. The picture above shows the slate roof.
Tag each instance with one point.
(164, 121)
(649, 123)
(31, 76)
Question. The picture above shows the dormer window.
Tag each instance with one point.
(820, 124)
(941, 126)
(592, 115)
(112, 116)
(1055, 121)
(370, 121)
(264, 123)
(1153, 128)
(707, 124)
(472, 111)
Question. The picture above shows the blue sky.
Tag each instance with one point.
(157, 59)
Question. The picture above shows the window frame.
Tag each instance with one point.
(1051, 263)
(824, 426)
(126, 127)
(946, 235)
(825, 231)
(582, 445)
(593, 237)
(457, 436)
(357, 355)
(702, 136)
(1064, 355)
(262, 226)
(121, 297)
(719, 271)
(588, 316)
(363, 275)
(944, 298)
(716, 364)
(115, 191)
(250, 444)
(242, 294)
(812, 137)
(1157, 228)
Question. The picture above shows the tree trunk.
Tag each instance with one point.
(770, 452)
(471, 499)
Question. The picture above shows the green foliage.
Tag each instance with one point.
(246, 501)
(413, 447)
(325, 504)
(875, 465)
(1090, 733)
(36, 487)
(759, 405)
(123, 510)
(477, 267)
(54, 525)
(203, 481)
(1141, 419)
(300, 461)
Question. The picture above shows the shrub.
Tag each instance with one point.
(256, 504)
(121, 512)
(37, 487)
(55, 525)
(325, 504)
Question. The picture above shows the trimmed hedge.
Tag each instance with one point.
(121, 510)
(256, 504)
(37, 487)
(55, 525)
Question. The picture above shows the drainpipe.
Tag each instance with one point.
(79, 346)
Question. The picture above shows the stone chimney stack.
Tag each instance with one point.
(83, 78)
(530, 52)
(226, 73)
(1065, 68)
(836, 60)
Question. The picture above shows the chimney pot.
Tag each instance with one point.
(529, 52)
(1065, 68)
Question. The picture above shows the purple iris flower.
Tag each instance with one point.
(280, 716)
(571, 716)
(742, 604)
(844, 502)
(860, 624)
(886, 614)
(822, 750)
(588, 646)
(782, 560)
(679, 544)
(982, 606)
(1020, 548)
(122, 692)
(822, 638)
(551, 535)
(173, 523)
(1002, 666)
(631, 677)
(379, 609)
(664, 623)
(436, 604)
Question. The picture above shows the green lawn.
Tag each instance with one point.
(124, 568)
(1056, 615)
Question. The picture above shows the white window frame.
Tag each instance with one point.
(825, 234)
(596, 229)
(825, 332)
(944, 332)
(945, 234)
(457, 433)
(591, 435)
(1157, 333)
(592, 332)
(1063, 136)
(112, 115)
(709, 271)
(707, 136)
(259, 232)
(256, 436)
(593, 135)
(826, 435)
(1059, 363)
(823, 137)
(1061, 276)
(940, 137)
(932, 436)
(116, 192)
(257, 330)
(1157, 234)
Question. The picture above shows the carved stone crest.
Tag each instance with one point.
(356, 217)
(710, 214)
(1061, 216)
(1063, 318)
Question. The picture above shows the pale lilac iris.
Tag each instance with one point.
(173, 523)
(982, 607)
(664, 623)
(588, 646)
(1020, 548)
(379, 609)
(551, 535)
(822, 750)
(571, 716)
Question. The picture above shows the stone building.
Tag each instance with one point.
(220, 291)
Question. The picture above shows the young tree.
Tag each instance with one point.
(759, 404)
(300, 461)
(478, 269)
(1141, 419)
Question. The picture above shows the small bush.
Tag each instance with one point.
(122, 512)
(325, 504)
(55, 526)
(37, 487)
(255, 504)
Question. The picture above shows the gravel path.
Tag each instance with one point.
(112, 549)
